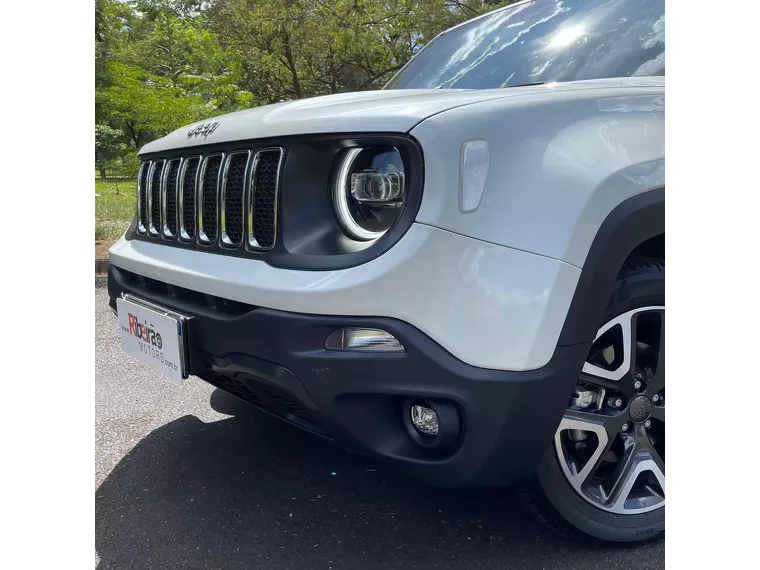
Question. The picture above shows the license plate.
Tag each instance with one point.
(153, 335)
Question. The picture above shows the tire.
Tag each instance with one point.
(581, 510)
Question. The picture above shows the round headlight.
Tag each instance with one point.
(368, 192)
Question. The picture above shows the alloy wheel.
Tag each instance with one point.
(611, 441)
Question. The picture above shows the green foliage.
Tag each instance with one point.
(115, 205)
(300, 48)
(161, 64)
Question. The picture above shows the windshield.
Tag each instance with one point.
(541, 42)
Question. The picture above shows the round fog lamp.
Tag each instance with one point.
(424, 420)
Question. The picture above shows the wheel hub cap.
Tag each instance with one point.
(640, 409)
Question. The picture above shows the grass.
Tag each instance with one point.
(114, 208)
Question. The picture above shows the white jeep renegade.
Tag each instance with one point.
(461, 275)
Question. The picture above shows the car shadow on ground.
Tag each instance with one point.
(252, 492)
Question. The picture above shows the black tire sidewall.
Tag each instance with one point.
(636, 288)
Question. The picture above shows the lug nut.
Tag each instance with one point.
(637, 384)
(648, 424)
(624, 427)
(615, 402)
(656, 398)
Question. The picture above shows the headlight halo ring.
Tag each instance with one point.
(341, 196)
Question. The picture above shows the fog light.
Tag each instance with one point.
(367, 340)
(424, 420)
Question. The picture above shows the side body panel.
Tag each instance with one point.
(559, 164)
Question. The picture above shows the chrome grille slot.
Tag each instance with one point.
(142, 197)
(262, 202)
(154, 196)
(169, 197)
(188, 180)
(208, 198)
(233, 198)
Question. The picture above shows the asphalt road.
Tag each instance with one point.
(180, 485)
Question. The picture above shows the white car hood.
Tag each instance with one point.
(395, 111)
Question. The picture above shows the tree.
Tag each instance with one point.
(299, 48)
(109, 145)
(158, 67)
(160, 64)
(147, 106)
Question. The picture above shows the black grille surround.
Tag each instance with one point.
(288, 218)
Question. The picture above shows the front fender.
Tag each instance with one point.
(560, 162)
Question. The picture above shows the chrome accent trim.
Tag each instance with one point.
(199, 201)
(141, 227)
(165, 231)
(225, 240)
(251, 242)
(152, 229)
(340, 200)
(183, 235)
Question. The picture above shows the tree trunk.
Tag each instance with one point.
(134, 134)
(291, 62)
(102, 172)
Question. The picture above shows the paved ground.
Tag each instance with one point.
(179, 485)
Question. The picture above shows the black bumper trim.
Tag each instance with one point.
(357, 398)
(630, 224)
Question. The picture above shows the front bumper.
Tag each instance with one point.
(276, 360)
(488, 305)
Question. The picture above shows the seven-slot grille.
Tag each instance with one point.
(217, 199)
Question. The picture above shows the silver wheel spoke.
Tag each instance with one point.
(622, 493)
(623, 475)
(579, 474)
(625, 325)
(647, 450)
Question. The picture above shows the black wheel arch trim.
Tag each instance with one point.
(630, 224)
